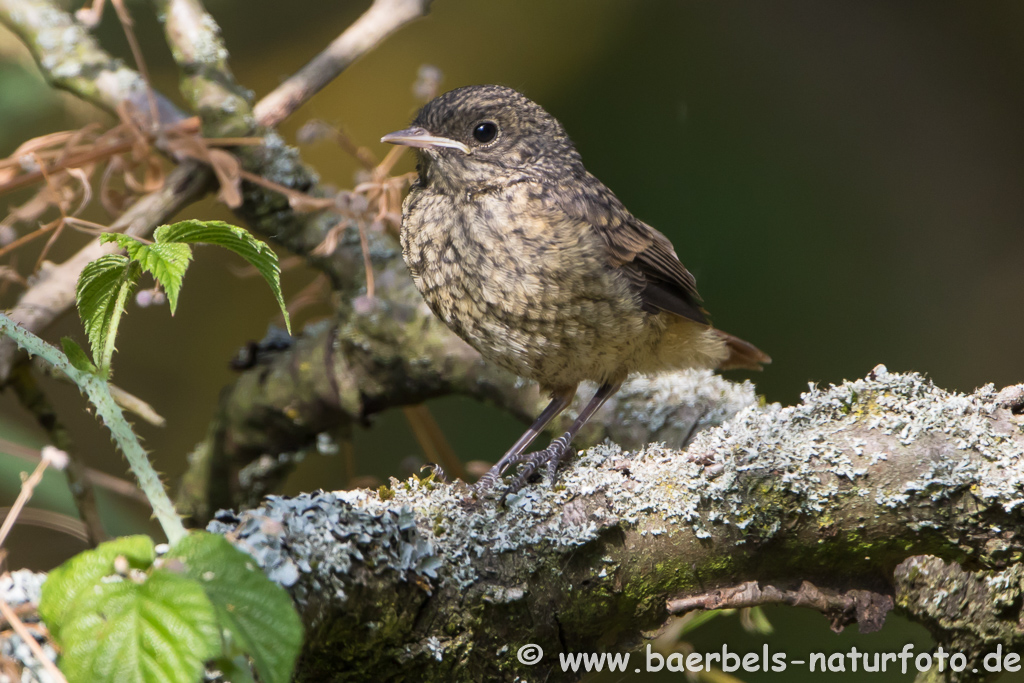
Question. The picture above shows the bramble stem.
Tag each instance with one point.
(98, 392)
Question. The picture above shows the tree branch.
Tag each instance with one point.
(976, 613)
(70, 58)
(866, 608)
(206, 80)
(421, 581)
(382, 19)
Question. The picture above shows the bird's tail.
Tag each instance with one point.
(742, 354)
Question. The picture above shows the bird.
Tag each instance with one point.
(541, 268)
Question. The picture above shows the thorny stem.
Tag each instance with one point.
(108, 410)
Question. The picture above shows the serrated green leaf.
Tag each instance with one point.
(65, 584)
(238, 240)
(257, 612)
(166, 262)
(123, 241)
(102, 289)
(157, 628)
(77, 356)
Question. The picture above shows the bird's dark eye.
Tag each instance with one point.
(485, 131)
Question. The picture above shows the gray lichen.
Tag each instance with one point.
(324, 534)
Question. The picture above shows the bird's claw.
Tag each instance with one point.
(551, 457)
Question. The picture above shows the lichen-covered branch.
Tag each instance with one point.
(70, 58)
(206, 81)
(977, 613)
(422, 580)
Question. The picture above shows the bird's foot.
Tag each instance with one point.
(550, 458)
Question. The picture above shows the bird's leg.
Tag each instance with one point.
(559, 402)
(558, 451)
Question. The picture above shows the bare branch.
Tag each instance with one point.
(30, 641)
(382, 19)
(866, 608)
(33, 399)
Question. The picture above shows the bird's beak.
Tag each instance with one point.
(421, 137)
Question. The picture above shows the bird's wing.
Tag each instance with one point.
(642, 254)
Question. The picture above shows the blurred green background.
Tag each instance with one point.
(845, 180)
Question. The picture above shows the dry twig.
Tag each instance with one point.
(19, 627)
(50, 456)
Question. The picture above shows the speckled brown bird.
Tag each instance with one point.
(539, 266)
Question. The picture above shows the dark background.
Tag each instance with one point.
(843, 178)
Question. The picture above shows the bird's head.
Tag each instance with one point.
(480, 135)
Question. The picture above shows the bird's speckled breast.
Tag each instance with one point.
(535, 298)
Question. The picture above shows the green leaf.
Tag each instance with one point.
(146, 629)
(123, 241)
(236, 669)
(103, 287)
(77, 356)
(759, 621)
(238, 240)
(695, 620)
(81, 573)
(166, 262)
(257, 613)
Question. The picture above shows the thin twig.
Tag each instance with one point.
(33, 399)
(55, 521)
(383, 18)
(37, 650)
(121, 487)
(60, 224)
(95, 154)
(136, 405)
(367, 263)
(25, 239)
(27, 487)
(140, 63)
